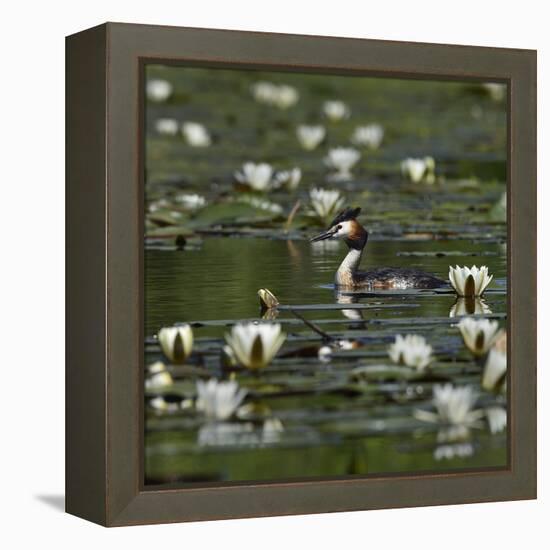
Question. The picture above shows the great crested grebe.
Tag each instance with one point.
(346, 227)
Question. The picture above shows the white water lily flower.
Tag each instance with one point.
(478, 334)
(469, 281)
(342, 159)
(411, 350)
(158, 90)
(219, 400)
(369, 136)
(469, 306)
(176, 342)
(497, 419)
(289, 178)
(419, 169)
(496, 91)
(191, 201)
(453, 406)
(256, 176)
(310, 136)
(494, 372)
(158, 376)
(285, 96)
(255, 345)
(264, 92)
(167, 126)
(336, 110)
(196, 134)
(326, 203)
(282, 96)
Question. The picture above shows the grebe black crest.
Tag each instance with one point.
(346, 227)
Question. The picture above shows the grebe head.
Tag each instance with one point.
(345, 227)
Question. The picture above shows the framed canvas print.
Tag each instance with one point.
(301, 274)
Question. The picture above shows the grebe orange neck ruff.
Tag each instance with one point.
(346, 227)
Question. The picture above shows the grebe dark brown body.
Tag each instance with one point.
(390, 278)
(346, 227)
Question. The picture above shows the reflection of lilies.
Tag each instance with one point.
(240, 434)
(453, 407)
(471, 305)
(453, 442)
(320, 248)
(342, 160)
(219, 400)
(455, 450)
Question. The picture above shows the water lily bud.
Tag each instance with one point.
(176, 343)
(267, 299)
(158, 376)
(478, 334)
(219, 400)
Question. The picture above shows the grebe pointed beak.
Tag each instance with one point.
(323, 236)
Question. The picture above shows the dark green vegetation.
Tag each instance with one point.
(205, 266)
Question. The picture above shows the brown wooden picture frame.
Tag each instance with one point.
(104, 186)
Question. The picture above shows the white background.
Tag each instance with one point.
(32, 290)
